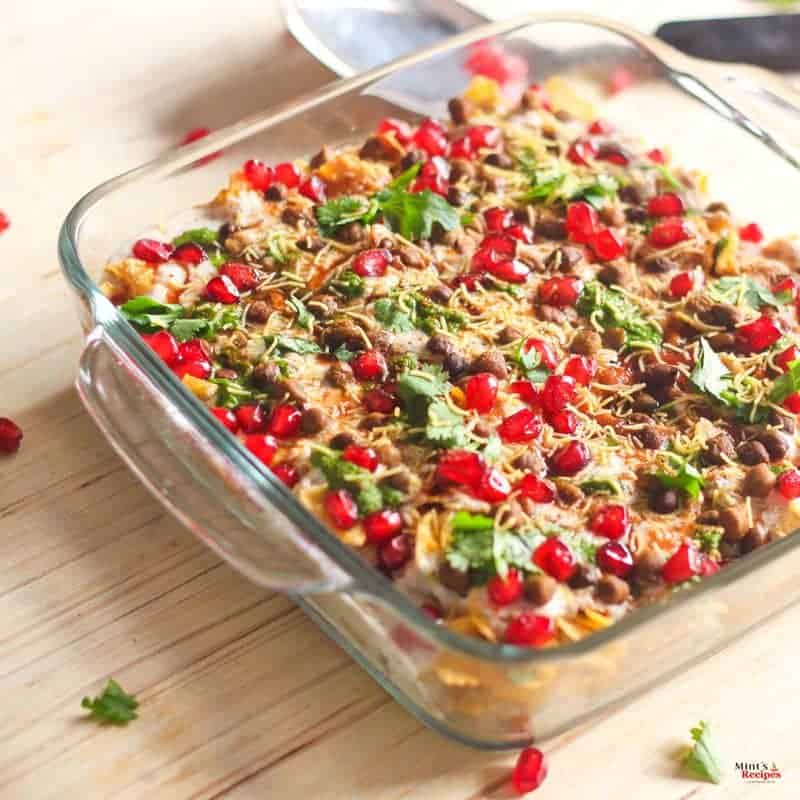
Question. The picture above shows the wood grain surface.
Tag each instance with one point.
(241, 696)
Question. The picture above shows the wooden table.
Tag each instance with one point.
(241, 696)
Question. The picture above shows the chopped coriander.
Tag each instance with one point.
(708, 539)
(205, 237)
(611, 308)
(369, 499)
(445, 427)
(786, 384)
(291, 344)
(341, 211)
(493, 449)
(341, 353)
(686, 477)
(149, 314)
(702, 760)
(710, 374)
(231, 393)
(601, 486)
(735, 289)
(406, 311)
(304, 317)
(113, 706)
(392, 316)
(598, 192)
(348, 284)
(530, 363)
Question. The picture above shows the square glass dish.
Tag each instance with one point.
(728, 124)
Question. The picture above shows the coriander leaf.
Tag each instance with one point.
(786, 384)
(445, 427)
(114, 705)
(340, 473)
(412, 214)
(702, 760)
(406, 178)
(687, 478)
(341, 353)
(205, 237)
(391, 497)
(340, 211)
(277, 248)
(149, 314)
(493, 449)
(514, 549)
(428, 381)
(601, 486)
(708, 539)
(547, 185)
(734, 289)
(467, 521)
(530, 363)
(369, 499)
(392, 316)
(610, 308)
(184, 329)
(471, 550)
(710, 375)
(348, 284)
(304, 317)
(292, 344)
(598, 191)
(230, 393)
(667, 177)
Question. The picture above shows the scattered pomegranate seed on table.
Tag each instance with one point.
(10, 436)
(196, 134)
(5, 222)
(529, 771)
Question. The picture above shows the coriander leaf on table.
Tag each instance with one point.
(702, 760)
(114, 705)
(710, 374)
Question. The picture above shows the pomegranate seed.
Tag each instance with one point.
(499, 246)
(582, 221)
(436, 184)
(529, 771)
(792, 403)
(284, 421)
(581, 152)
(287, 174)
(372, 263)
(511, 271)
(462, 148)
(555, 558)
(382, 525)
(607, 245)
(681, 285)
(670, 232)
(615, 558)
(194, 350)
(401, 129)
(601, 127)
(757, 335)
(226, 417)
(164, 344)
(665, 205)
(708, 566)
(570, 458)
(522, 233)
(5, 221)
(536, 489)
(529, 630)
(557, 393)
(498, 219)
(461, 467)
(546, 351)
(369, 365)
(526, 391)
(685, 563)
(258, 174)
(789, 484)
(481, 392)
(341, 508)
(614, 156)
(581, 369)
(251, 418)
(395, 553)
(786, 289)
(620, 79)
(611, 521)
(504, 591)
(538, 96)
(364, 457)
(561, 292)
(522, 426)
(492, 60)
(432, 611)
(286, 473)
(221, 289)
(242, 276)
(431, 138)
(194, 135)
(751, 233)
(152, 251)
(493, 486)
(262, 446)
(563, 422)
(10, 436)
(785, 357)
(189, 253)
(657, 156)
(378, 400)
(197, 369)
(484, 136)
(313, 188)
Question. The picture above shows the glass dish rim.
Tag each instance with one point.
(365, 579)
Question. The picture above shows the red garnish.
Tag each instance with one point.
(504, 591)
(615, 558)
(262, 446)
(789, 484)
(382, 525)
(286, 473)
(242, 276)
(536, 489)
(251, 418)
(670, 232)
(287, 174)
(668, 204)
(561, 292)
(498, 219)
(555, 558)
(493, 486)
(611, 521)
(431, 137)
(564, 422)
(757, 336)
(684, 564)
(401, 129)
(258, 174)
(557, 393)
(522, 426)
(530, 630)
(341, 508)
(10, 436)
(372, 263)
(581, 152)
(481, 392)
(221, 289)
(313, 188)
(284, 421)
(369, 365)
(582, 222)
(529, 771)
(681, 285)
(364, 457)
(607, 245)
(461, 467)
(581, 369)
(152, 251)
(570, 458)
(751, 233)
(396, 552)
(226, 417)
(165, 345)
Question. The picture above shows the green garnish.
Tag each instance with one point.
(685, 477)
(710, 375)
(291, 344)
(113, 706)
(598, 192)
(708, 539)
(406, 311)
(601, 486)
(702, 760)
(445, 427)
(611, 308)
(305, 319)
(342, 211)
(348, 284)
(205, 237)
(280, 249)
(786, 384)
(149, 315)
(530, 363)
(231, 393)
(741, 288)
(553, 183)
(392, 316)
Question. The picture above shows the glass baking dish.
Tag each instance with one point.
(731, 124)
